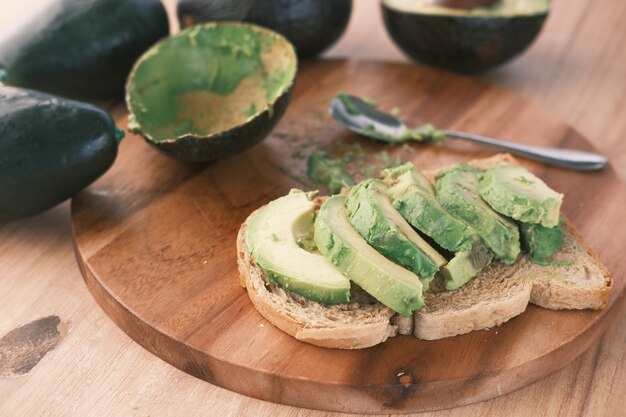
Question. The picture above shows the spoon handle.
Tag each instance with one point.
(567, 158)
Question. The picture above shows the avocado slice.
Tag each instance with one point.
(542, 242)
(371, 213)
(343, 246)
(515, 192)
(465, 265)
(274, 240)
(414, 197)
(457, 191)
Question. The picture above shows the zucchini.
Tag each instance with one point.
(82, 48)
(50, 149)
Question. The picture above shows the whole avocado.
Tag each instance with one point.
(311, 25)
(82, 48)
(50, 149)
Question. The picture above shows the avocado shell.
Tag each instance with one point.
(466, 44)
(153, 93)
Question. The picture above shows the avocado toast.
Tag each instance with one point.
(497, 292)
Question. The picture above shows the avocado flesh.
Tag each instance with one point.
(414, 197)
(457, 191)
(371, 213)
(208, 79)
(465, 265)
(513, 191)
(273, 239)
(542, 242)
(343, 246)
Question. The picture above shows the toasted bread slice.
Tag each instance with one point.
(499, 293)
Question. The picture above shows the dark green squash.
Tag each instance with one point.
(311, 25)
(82, 48)
(50, 149)
(466, 41)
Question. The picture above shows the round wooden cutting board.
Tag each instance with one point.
(155, 240)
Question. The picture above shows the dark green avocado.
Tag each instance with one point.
(82, 48)
(461, 40)
(212, 90)
(50, 149)
(311, 25)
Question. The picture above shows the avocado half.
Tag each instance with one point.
(464, 40)
(311, 25)
(211, 91)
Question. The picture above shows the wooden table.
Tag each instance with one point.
(577, 69)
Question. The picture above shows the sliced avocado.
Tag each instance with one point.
(542, 242)
(272, 238)
(457, 191)
(343, 246)
(371, 213)
(513, 191)
(414, 197)
(465, 265)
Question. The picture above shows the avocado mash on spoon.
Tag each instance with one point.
(366, 120)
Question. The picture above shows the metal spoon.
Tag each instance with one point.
(366, 120)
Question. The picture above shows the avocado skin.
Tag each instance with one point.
(82, 48)
(466, 44)
(542, 242)
(195, 149)
(50, 149)
(311, 25)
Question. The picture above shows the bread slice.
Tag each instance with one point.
(499, 293)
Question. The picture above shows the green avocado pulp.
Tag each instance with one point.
(208, 79)
(503, 8)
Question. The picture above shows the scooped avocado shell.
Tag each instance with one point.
(212, 90)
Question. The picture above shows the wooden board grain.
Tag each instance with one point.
(155, 240)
